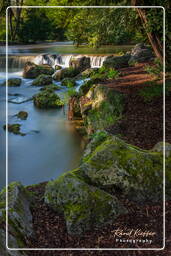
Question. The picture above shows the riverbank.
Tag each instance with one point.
(117, 184)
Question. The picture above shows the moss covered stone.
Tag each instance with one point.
(50, 87)
(69, 82)
(47, 99)
(42, 80)
(31, 70)
(106, 108)
(117, 61)
(112, 163)
(65, 73)
(84, 206)
(22, 115)
(14, 128)
(19, 217)
(13, 82)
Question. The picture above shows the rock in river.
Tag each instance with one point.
(42, 80)
(14, 128)
(47, 99)
(13, 82)
(31, 70)
(22, 115)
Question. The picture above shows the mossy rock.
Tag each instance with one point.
(51, 87)
(117, 61)
(14, 128)
(31, 70)
(42, 80)
(20, 226)
(69, 82)
(13, 82)
(86, 87)
(84, 206)
(65, 73)
(106, 109)
(22, 115)
(80, 63)
(88, 72)
(110, 163)
(47, 99)
(57, 67)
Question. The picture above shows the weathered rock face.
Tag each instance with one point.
(140, 53)
(74, 110)
(19, 218)
(32, 70)
(111, 163)
(13, 82)
(84, 206)
(117, 61)
(103, 107)
(47, 99)
(65, 73)
(81, 63)
(42, 80)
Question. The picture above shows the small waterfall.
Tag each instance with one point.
(15, 63)
(64, 60)
(97, 61)
(53, 60)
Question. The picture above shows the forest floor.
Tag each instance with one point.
(142, 125)
(142, 122)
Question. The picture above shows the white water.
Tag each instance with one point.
(16, 63)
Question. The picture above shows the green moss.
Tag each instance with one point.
(14, 128)
(47, 99)
(13, 82)
(138, 173)
(22, 115)
(42, 80)
(69, 82)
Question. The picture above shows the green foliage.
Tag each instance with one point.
(47, 99)
(154, 90)
(104, 73)
(69, 82)
(70, 72)
(155, 70)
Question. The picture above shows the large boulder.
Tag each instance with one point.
(20, 227)
(13, 82)
(84, 206)
(140, 53)
(65, 73)
(114, 165)
(101, 107)
(31, 70)
(117, 61)
(47, 99)
(42, 80)
(80, 62)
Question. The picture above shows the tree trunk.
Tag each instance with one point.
(152, 37)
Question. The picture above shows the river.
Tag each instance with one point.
(52, 145)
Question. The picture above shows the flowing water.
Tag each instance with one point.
(52, 145)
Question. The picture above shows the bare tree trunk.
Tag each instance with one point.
(153, 38)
